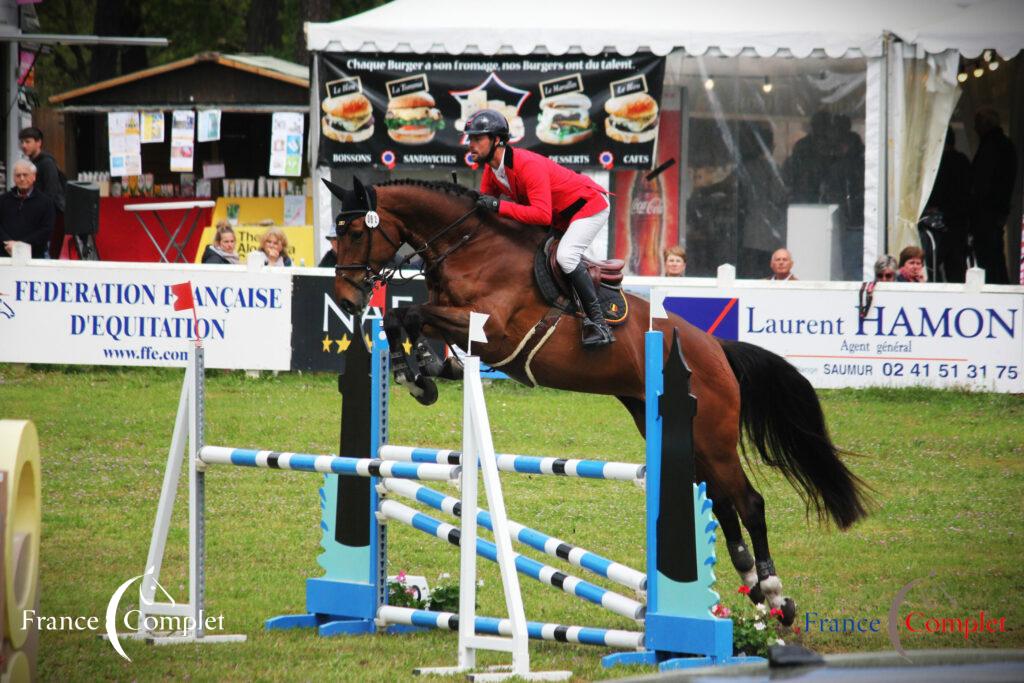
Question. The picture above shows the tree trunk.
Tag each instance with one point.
(263, 26)
(117, 18)
(309, 10)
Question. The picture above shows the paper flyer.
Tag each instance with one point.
(286, 134)
(295, 209)
(209, 125)
(183, 125)
(124, 143)
(152, 126)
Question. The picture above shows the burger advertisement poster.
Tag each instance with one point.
(410, 110)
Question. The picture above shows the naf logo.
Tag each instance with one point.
(719, 317)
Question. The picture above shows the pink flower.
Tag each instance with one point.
(721, 611)
(745, 590)
(776, 612)
(401, 577)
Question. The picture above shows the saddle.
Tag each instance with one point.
(556, 289)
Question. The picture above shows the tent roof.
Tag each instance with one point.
(766, 26)
(989, 24)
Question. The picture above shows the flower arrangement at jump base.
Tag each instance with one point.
(754, 627)
(443, 598)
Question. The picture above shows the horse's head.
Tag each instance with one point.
(365, 244)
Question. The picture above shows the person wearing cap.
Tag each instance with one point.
(538, 191)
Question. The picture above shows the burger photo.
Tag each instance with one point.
(564, 119)
(631, 118)
(347, 118)
(412, 119)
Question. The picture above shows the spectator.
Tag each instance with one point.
(806, 167)
(26, 215)
(49, 181)
(274, 245)
(761, 198)
(330, 259)
(993, 174)
(222, 250)
(674, 259)
(885, 269)
(782, 266)
(948, 209)
(843, 185)
(912, 265)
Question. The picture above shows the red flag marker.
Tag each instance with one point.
(378, 298)
(183, 293)
(184, 301)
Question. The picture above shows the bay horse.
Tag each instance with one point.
(477, 261)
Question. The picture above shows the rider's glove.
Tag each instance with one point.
(486, 201)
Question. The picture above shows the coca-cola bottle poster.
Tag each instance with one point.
(646, 216)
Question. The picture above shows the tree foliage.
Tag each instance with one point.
(269, 27)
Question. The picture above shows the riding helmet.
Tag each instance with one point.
(487, 122)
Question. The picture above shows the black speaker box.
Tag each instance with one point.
(81, 209)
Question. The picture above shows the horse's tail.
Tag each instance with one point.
(782, 418)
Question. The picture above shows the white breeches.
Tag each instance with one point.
(578, 236)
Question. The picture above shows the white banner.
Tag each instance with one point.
(123, 314)
(908, 336)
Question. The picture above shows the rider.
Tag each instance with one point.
(543, 193)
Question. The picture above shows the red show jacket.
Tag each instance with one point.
(542, 192)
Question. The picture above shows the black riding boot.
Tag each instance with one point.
(595, 330)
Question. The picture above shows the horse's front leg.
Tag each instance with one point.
(401, 324)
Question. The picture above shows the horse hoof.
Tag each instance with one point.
(788, 612)
(428, 390)
(756, 594)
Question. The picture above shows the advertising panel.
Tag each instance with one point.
(123, 314)
(410, 110)
(905, 338)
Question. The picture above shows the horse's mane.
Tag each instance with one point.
(528, 235)
(436, 185)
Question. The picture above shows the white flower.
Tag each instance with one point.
(759, 626)
(445, 575)
(780, 641)
(762, 608)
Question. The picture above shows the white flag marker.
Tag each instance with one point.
(476, 330)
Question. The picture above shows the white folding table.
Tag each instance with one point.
(172, 237)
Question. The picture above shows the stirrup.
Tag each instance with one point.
(595, 335)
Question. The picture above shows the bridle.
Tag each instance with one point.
(369, 215)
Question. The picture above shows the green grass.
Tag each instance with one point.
(947, 469)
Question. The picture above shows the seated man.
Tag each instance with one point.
(782, 266)
(26, 215)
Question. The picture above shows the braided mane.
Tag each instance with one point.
(435, 185)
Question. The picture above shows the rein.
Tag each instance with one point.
(387, 274)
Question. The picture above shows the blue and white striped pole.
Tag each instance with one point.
(610, 600)
(327, 464)
(555, 547)
(583, 635)
(524, 464)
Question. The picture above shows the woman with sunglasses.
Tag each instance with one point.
(885, 269)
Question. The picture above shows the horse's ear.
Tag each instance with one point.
(336, 190)
(357, 187)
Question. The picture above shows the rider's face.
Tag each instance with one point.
(480, 146)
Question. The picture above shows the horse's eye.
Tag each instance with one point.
(356, 236)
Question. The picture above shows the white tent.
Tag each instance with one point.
(767, 27)
(911, 49)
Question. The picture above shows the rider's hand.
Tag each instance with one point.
(486, 201)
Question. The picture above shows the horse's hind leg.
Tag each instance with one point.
(739, 554)
(750, 506)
